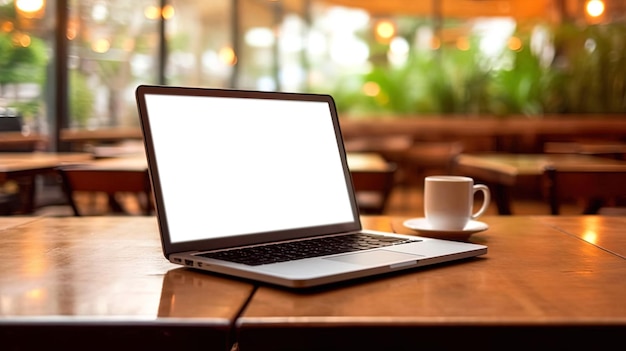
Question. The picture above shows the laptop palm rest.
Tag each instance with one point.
(374, 257)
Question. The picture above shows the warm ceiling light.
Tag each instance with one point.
(227, 56)
(371, 89)
(151, 12)
(595, 8)
(21, 39)
(167, 12)
(515, 43)
(30, 8)
(29, 5)
(463, 44)
(385, 30)
(154, 12)
(7, 26)
(101, 46)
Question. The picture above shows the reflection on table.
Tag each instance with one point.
(98, 282)
(546, 282)
(539, 287)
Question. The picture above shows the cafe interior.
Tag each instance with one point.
(526, 97)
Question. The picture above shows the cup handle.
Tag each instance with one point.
(486, 200)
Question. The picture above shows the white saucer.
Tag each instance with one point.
(422, 226)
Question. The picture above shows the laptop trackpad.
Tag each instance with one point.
(375, 257)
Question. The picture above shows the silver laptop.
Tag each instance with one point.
(256, 185)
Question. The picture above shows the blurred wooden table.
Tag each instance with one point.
(137, 160)
(539, 287)
(23, 167)
(17, 141)
(18, 164)
(365, 162)
(81, 138)
(100, 283)
(612, 149)
(502, 171)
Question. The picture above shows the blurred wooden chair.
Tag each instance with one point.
(111, 182)
(373, 187)
(596, 187)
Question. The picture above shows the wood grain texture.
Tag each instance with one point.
(105, 279)
(536, 280)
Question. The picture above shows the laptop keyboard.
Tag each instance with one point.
(294, 250)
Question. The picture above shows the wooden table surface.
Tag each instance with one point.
(607, 233)
(14, 164)
(17, 140)
(505, 168)
(137, 160)
(23, 167)
(539, 286)
(547, 282)
(92, 279)
(614, 149)
(502, 171)
(366, 161)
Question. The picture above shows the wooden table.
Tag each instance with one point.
(606, 233)
(366, 161)
(546, 282)
(17, 164)
(129, 148)
(103, 283)
(539, 287)
(81, 138)
(23, 167)
(613, 149)
(137, 161)
(501, 172)
(17, 141)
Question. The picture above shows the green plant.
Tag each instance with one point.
(81, 98)
(22, 60)
(587, 75)
(593, 68)
(520, 88)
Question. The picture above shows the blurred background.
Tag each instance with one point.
(75, 64)
(417, 82)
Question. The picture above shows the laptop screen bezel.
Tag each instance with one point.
(170, 247)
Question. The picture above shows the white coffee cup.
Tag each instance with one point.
(449, 201)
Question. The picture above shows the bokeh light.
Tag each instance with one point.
(595, 8)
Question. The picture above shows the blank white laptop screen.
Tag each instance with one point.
(264, 165)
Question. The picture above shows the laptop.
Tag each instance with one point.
(239, 173)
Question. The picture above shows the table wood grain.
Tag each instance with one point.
(17, 164)
(546, 282)
(138, 161)
(539, 286)
(105, 280)
(607, 233)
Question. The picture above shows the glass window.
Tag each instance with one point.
(376, 57)
(25, 46)
(113, 47)
(254, 45)
(199, 38)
